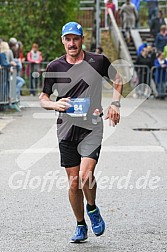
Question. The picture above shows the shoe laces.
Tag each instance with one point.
(80, 230)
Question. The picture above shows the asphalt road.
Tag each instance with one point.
(131, 176)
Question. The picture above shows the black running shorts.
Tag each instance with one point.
(71, 152)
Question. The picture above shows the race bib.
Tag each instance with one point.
(79, 107)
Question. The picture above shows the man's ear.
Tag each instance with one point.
(83, 39)
(62, 40)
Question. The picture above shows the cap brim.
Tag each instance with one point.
(75, 33)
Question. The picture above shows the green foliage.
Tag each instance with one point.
(37, 21)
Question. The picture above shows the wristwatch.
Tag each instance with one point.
(116, 103)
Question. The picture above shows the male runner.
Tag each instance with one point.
(77, 77)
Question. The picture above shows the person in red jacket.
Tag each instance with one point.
(110, 5)
(34, 57)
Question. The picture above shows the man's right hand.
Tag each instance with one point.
(60, 105)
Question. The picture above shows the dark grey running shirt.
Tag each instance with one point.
(78, 81)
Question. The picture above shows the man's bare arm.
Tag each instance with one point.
(113, 110)
(118, 87)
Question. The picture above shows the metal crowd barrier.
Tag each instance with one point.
(4, 85)
(32, 74)
(7, 85)
(137, 74)
(159, 75)
(143, 73)
(132, 74)
(155, 78)
(12, 86)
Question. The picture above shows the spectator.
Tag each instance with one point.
(4, 79)
(5, 56)
(161, 38)
(156, 24)
(115, 3)
(143, 71)
(152, 53)
(161, 75)
(152, 10)
(17, 49)
(13, 44)
(3, 59)
(12, 62)
(9, 55)
(110, 5)
(129, 18)
(144, 59)
(14, 47)
(140, 49)
(34, 57)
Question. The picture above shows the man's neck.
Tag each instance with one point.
(75, 60)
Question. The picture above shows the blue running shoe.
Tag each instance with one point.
(98, 224)
(80, 234)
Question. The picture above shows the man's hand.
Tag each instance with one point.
(60, 105)
(113, 115)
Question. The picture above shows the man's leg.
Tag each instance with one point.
(87, 178)
(75, 194)
(77, 203)
(87, 168)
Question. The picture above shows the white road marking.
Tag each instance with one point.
(147, 148)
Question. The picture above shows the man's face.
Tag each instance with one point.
(72, 44)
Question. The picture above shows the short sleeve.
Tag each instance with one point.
(108, 70)
(48, 82)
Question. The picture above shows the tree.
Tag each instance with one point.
(37, 21)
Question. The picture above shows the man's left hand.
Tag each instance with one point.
(113, 115)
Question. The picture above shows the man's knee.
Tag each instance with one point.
(86, 178)
(73, 183)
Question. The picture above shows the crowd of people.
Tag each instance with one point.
(151, 67)
(150, 55)
(153, 55)
(12, 59)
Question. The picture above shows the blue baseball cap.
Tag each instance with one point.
(72, 28)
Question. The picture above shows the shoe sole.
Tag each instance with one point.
(99, 234)
(79, 241)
